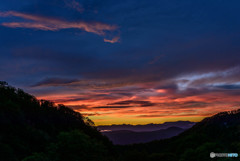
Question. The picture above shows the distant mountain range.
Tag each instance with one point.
(147, 127)
(130, 134)
(123, 137)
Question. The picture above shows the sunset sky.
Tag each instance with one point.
(126, 61)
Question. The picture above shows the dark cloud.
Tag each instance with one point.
(194, 104)
(64, 100)
(184, 105)
(78, 107)
(86, 97)
(55, 82)
(109, 107)
(228, 87)
(132, 102)
(80, 83)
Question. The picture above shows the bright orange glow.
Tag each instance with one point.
(157, 106)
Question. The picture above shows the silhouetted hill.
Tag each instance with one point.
(147, 127)
(219, 133)
(123, 137)
(34, 129)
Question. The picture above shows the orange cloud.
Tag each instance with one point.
(145, 102)
(53, 24)
(114, 40)
(189, 107)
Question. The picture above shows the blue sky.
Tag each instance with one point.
(124, 50)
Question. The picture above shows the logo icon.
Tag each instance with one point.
(212, 155)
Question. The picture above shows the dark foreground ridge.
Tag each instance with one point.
(38, 130)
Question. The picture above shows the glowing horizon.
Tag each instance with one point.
(143, 103)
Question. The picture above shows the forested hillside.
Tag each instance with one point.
(219, 133)
(34, 129)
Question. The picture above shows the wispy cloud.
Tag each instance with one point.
(53, 24)
(78, 107)
(103, 107)
(78, 83)
(55, 82)
(75, 5)
(167, 115)
(114, 40)
(133, 102)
